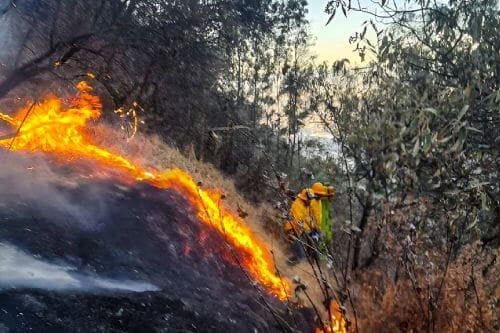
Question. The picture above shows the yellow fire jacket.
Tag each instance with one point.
(306, 216)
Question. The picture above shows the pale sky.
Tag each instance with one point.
(332, 40)
(332, 43)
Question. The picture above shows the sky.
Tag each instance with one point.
(332, 40)
(331, 44)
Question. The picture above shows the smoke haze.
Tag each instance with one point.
(9, 38)
(32, 182)
(19, 269)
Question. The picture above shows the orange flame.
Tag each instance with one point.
(336, 322)
(60, 128)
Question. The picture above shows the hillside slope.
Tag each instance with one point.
(135, 257)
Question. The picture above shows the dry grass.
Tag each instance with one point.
(466, 302)
(421, 289)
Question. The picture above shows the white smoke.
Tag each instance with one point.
(19, 269)
(30, 180)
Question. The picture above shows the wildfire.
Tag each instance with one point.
(61, 128)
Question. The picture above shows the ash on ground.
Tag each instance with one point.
(86, 255)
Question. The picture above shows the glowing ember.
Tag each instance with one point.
(60, 128)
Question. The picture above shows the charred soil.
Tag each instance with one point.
(126, 233)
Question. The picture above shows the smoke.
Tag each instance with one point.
(9, 36)
(31, 181)
(19, 269)
(33, 186)
(4, 6)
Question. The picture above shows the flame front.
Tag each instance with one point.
(61, 128)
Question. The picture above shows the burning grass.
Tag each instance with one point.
(60, 128)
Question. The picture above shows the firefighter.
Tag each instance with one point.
(310, 226)
(321, 210)
(301, 225)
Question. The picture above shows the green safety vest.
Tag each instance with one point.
(326, 222)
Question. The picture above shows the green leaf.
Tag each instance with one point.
(446, 139)
(459, 144)
(484, 201)
(472, 129)
(427, 142)
(463, 112)
(467, 92)
(472, 225)
(431, 110)
(462, 135)
(416, 148)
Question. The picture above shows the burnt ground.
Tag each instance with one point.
(126, 233)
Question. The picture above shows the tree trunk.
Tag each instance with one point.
(367, 207)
